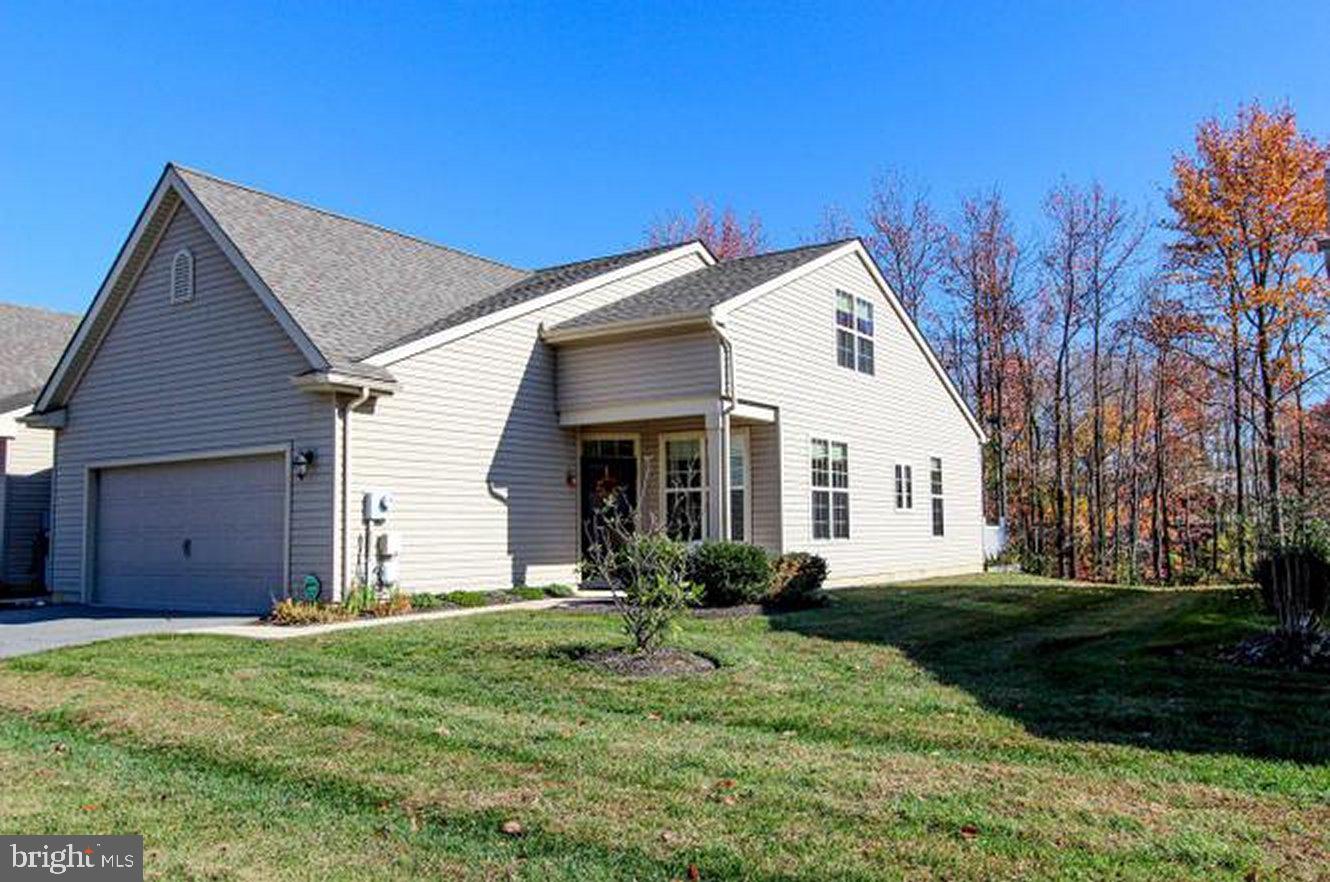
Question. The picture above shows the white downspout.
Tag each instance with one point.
(728, 399)
(351, 405)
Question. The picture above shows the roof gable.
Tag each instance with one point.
(353, 287)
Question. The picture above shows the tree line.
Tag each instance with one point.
(1152, 387)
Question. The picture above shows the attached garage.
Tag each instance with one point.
(192, 534)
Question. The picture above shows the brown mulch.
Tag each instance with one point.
(665, 662)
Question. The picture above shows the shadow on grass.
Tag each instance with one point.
(1123, 666)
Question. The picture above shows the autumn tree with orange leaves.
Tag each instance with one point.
(1248, 209)
(723, 232)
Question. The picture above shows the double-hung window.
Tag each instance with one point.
(854, 333)
(684, 490)
(830, 503)
(935, 489)
(904, 487)
(739, 486)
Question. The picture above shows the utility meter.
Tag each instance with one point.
(389, 544)
(378, 504)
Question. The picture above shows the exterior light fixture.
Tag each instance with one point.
(301, 463)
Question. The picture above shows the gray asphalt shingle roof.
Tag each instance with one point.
(352, 287)
(697, 292)
(31, 341)
(542, 281)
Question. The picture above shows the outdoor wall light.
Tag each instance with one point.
(301, 463)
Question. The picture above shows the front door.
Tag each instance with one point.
(608, 481)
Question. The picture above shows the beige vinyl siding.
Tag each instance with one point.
(472, 449)
(785, 355)
(26, 498)
(639, 369)
(765, 486)
(208, 375)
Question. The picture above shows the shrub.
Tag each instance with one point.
(557, 590)
(525, 592)
(304, 612)
(729, 573)
(646, 572)
(360, 599)
(468, 598)
(796, 581)
(421, 602)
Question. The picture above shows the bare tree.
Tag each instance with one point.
(906, 238)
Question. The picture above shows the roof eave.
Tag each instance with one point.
(340, 381)
(558, 335)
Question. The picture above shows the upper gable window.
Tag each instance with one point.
(182, 276)
(854, 333)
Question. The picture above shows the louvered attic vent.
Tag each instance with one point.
(182, 276)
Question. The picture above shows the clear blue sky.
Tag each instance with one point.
(546, 133)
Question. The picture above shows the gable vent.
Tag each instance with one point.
(182, 276)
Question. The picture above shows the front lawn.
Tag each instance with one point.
(989, 728)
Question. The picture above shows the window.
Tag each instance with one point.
(182, 276)
(904, 487)
(739, 486)
(684, 487)
(854, 333)
(935, 487)
(830, 504)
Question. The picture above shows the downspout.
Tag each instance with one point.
(351, 405)
(728, 399)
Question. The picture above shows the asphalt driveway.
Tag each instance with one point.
(37, 629)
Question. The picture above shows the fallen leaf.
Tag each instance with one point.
(728, 800)
(511, 828)
(694, 874)
(969, 831)
(91, 808)
(725, 783)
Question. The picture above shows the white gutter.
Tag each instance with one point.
(351, 405)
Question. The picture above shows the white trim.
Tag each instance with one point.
(758, 413)
(86, 564)
(618, 329)
(700, 436)
(333, 381)
(665, 408)
(431, 341)
(169, 182)
(636, 438)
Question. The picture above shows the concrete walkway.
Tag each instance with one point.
(256, 631)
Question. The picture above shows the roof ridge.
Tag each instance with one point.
(827, 244)
(342, 217)
(630, 253)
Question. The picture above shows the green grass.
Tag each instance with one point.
(986, 728)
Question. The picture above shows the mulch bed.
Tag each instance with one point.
(661, 663)
(606, 607)
(1300, 652)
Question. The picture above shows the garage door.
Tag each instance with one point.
(196, 535)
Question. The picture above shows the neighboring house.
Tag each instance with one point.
(252, 367)
(30, 342)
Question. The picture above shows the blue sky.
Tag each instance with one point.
(544, 133)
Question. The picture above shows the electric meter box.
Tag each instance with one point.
(389, 573)
(389, 544)
(378, 504)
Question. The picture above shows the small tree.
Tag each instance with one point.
(645, 570)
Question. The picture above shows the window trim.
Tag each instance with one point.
(907, 488)
(188, 256)
(856, 336)
(744, 433)
(935, 498)
(663, 501)
(831, 490)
